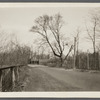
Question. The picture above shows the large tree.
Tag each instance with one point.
(49, 27)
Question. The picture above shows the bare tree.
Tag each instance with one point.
(76, 46)
(93, 31)
(49, 27)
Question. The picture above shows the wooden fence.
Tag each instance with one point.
(14, 77)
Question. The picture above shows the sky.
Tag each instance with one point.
(19, 20)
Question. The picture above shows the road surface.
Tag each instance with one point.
(44, 78)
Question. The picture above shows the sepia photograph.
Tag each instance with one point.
(50, 48)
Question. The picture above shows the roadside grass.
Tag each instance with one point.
(23, 75)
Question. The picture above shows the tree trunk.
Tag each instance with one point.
(88, 60)
(61, 61)
(98, 60)
(79, 62)
(94, 46)
(94, 55)
(74, 52)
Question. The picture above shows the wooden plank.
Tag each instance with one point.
(6, 67)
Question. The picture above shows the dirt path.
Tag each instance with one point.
(41, 81)
(54, 79)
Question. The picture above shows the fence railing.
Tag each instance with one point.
(14, 77)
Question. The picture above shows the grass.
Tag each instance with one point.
(23, 75)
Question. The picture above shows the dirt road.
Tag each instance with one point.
(44, 78)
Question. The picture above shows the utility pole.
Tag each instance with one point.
(74, 52)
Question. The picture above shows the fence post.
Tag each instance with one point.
(12, 78)
(0, 80)
(17, 74)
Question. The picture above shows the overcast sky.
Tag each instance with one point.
(19, 20)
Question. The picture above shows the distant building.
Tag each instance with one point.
(34, 61)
